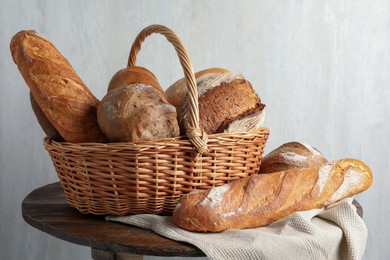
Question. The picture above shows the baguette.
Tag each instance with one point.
(261, 199)
(57, 89)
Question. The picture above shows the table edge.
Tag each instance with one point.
(84, 241)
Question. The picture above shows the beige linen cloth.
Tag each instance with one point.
(335, 232)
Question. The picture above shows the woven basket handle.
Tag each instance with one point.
(196, 135)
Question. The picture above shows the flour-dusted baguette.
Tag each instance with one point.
(261, 199)
(291, 155)
(57, 89)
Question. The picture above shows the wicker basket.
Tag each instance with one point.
(150, 176)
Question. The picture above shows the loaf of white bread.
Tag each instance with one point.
(261, 199)
(227, 102)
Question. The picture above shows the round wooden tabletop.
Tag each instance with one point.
(46, 209)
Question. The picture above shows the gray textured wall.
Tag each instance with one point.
(322, 68)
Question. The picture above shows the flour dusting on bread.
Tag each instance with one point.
(215, 196)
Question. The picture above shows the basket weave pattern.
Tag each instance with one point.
(124, 178)
(151, 176)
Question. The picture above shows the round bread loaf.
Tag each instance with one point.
(291, 155)
(134, 75)
(136, 112)
(223, 98)
(178, 91)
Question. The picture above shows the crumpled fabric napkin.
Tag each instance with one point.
(335, 232)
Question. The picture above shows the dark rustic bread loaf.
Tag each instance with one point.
(137, 112)
(177, 92)
(223, 98)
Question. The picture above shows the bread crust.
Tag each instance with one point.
(137, 112)
(261, 199)
(57, 89)
(291, 155)
(45, 124)
(134, 75)
(177, 92)
(223, 98)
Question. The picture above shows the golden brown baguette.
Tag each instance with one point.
(261, 199)
(57, 89)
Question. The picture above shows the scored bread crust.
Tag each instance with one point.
(177, 92)
(291, 155)
(260, 199)
(223, 98)
(137, 112)
(57, 89)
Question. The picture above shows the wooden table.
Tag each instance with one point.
(46, 209)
